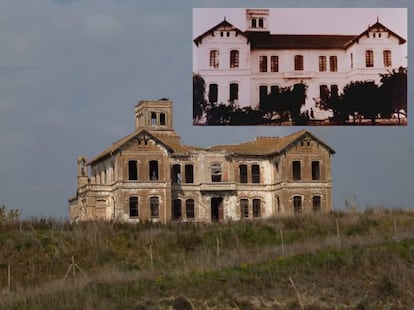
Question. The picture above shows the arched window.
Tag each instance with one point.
(243, 173)
(189, 173)
(256, 208)
(162, 119)
(153, 170)
(176, 209)
(176, 173)
(297, 205)
(369, 58)
(254, 23)
(189, 208)
(316, 171)
(322, 63)
(132, 170)
(154, 206)
(316, 204)
(274, 64)
(216, 172)
(333, 63)
(214, 58)
(234, 59)
(387, 58)
(296, 170)
(263, 63)
(255, 174)
(133, 207)
(153, 118)
(261, 24)
(244, 208)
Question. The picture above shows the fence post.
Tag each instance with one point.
(8, 277)
(217, 246)
(283, 246)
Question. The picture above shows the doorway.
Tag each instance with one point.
(217, 213)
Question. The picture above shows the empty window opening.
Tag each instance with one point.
(323, 92)
(316, 171)
(189, 209)
(214, 57)
(256, 208)
(260, 22)
(316, 204)
(133, 207)
(274, 89)
(243, 173)
(334, 91)
(154, 206)
(189, 173)
(212, 93)
(162, 119)
(254, 23)
(176, 173)
(132, 170)
(255, 174)
(216, 172)
(296, 170)
(297, 205)
(244, 208)
(262, 93)
(278, 203)
(234, 59)
(153, 118)
(176, 209)
(153, 170)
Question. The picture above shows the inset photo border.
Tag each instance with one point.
(300, 66)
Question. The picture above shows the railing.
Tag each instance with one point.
(217, 186)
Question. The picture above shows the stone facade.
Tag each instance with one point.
(241, 66)
(150, 175)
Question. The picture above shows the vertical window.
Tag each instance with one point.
(214, 58)
(278, 203)
(212, 93)
(189, 173)
(369, 59)
(323, 92)
(316, 204)
(262, 92)
(243, 173)
(260, 22)
(274, 64)
(255, 174)
(322, 63)
(256, 208)
(189, 208)
(176, 173)
(352, 61)
(263, 63)
(297, 205)
(154, 206)
(298, 63)
(234, 91)
(133, 207)
(387, 58)
(316, 171)
(216, 172)
(244, 208)
(176, 209)
(334, 91)
(234, 59)
(153, 170)
(296, 170)
(254, 23)
(162, 119)
(333, 63)
(132, 170)
(153, 118)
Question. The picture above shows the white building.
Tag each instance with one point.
(241, 66)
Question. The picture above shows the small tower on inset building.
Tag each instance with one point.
(257, 20)
(82, 171)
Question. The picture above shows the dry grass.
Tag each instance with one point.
(370, 266)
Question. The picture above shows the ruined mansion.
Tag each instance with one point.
(150, 175)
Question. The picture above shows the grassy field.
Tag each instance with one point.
(354, 260)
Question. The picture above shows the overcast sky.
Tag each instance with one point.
(71, 72)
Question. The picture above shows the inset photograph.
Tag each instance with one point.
(300, 66)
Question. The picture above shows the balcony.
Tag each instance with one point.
(217, 186)
(299, 74)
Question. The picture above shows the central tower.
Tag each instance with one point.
(257, 19)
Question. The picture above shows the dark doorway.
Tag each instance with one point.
(217, 209)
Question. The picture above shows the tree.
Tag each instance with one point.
(394, 91)
(219, 113)
(199, 101)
